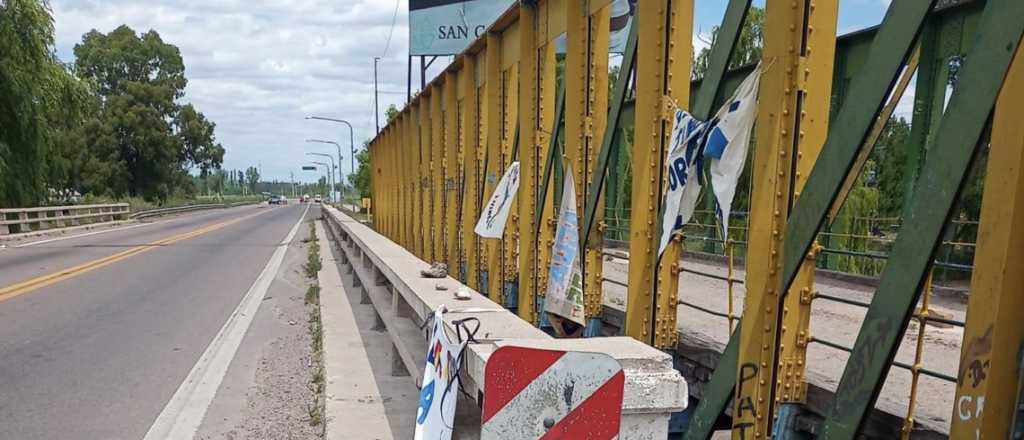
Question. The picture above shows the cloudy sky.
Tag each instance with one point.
(258, 67)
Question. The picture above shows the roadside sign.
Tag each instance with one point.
(534, 394)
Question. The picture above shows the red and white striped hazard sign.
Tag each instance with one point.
(534, 394)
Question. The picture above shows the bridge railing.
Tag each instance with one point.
(20, 220)
(389, 278)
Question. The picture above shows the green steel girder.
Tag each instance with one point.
(891, 47)
(721, 52)
(889, 51)
(718, 392)
(610, 134)
(955, 146)
(553, 154)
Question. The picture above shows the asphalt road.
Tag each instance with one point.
(98, 352)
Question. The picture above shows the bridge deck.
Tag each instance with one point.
(834, 322)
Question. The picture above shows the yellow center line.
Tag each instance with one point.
(64, 274)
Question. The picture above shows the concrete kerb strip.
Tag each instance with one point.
(354, 404)
(653, 389)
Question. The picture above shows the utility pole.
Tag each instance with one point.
(376, 109)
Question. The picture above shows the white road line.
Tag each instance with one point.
(185, 411)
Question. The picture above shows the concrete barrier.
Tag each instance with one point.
(389, 277)
(21, 220)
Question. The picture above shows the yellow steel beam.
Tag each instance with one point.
(385, 154)
(529, 140)
(814, 85)
(662, 77)
(387, 184)
(990, 358)
(679, 65)
(410, 149)
(398, 134)
(423, 118)
(551, 24)
(510, 124)
(492, 127)
(791, 129)
(416, 177)
(586, 103)
(471, 178)
(451, 165)
(437, 172)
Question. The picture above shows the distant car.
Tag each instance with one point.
(304, 198)
(277, 200)
(318, 199)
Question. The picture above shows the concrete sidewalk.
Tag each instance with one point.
(363, 398)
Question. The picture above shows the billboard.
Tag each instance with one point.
(446, 27)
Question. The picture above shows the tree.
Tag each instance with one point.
(144, 141)
(252, 177)
(889, 162)
(391, 113)
(748, 48)
(361, 179)
(40, 103)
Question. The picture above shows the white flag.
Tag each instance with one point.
(727, 144)
(565, 280)
(682, 166)
(495, 215)
(435, 415)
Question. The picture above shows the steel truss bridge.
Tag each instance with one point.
(511, 96)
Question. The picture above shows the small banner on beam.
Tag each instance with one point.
(565, 280)
(492, 220)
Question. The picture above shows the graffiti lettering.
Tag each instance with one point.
(742, 428)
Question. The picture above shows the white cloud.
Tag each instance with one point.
(257, 68)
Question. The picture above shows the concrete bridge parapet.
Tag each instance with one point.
(404, 300)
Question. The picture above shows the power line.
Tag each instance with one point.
(394, 18)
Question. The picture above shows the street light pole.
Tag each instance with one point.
(351, 142)
(327, 177)
(341, 177)
(330, 171)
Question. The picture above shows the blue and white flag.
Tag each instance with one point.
(683, 167)
(727, 144)
(723, 140)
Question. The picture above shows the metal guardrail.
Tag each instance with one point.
(21, 220)
(164, 211)
(198, 207)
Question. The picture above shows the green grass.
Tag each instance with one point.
(317, 383)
